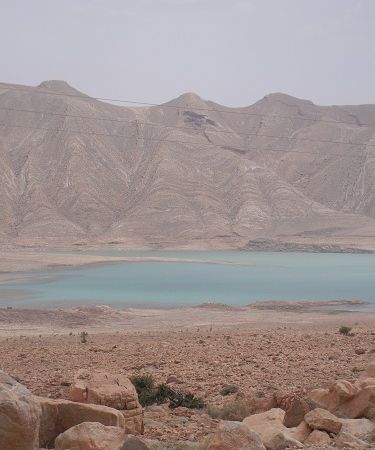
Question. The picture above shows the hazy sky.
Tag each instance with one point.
(230, 51)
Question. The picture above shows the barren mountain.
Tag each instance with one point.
(190, 172)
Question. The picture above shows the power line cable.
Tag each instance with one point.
(199, 144)
(136, 122)
(165, 105)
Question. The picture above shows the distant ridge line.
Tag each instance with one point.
(165, 105)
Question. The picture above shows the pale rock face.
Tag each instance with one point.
(346, 441)
(235, 436)
(347, 399)
(91, 436)
(358, 427)
(112, 390)
(344, 389)
(28, 422)
(269, 425)
(321, 419)
(19, 416)
(301, 432)
(57, 416)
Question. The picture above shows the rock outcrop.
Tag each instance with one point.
(321, 419)
(345, 399)
(112, 390)
(57, 416)
(274, 434)
(235, 435)
(91, 436)
(19, 416)
(170, 175)
(28, 422)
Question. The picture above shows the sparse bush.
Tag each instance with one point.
(229, 389)
(142, 382)
(149, 394)
(83, 336)
(344, 330)
(235, 410)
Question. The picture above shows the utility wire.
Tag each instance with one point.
(199, 144)
(135, 121)
(164, 105)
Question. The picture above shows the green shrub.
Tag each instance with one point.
(83, 335)
(345, 331)
(142, 382)
(149, 394)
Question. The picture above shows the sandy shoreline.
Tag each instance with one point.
(105, 319)
(15, 265)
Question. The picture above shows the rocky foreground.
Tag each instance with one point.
(104, 414)
(239, 362)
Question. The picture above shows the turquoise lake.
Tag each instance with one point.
(232, 277)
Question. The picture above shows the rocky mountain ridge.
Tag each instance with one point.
(74, 169)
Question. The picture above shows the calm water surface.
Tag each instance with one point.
(232, 277)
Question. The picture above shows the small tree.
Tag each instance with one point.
(344, 330)
(83, 335)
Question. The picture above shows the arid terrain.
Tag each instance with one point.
(269, 349)
(75, 170)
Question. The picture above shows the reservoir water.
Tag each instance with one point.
(232, 277)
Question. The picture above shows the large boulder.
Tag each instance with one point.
(297, 410)
(360, 428)
(274, 434)
(235, 436)
(318, 437)
(359, 405)
(91, 436)
(321, 419)
(346, 441)
(19, 416)
(300, 433)
(112, 390)
(28, 422)
(57, 416)
(349, 400)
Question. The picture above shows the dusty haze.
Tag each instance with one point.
(230, 51)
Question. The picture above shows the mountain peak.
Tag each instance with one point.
(59, 86)
(281, 97)
(189, 100)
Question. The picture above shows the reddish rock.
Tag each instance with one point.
(321, 419)
(318, 437)
(297, 411)
(19, 416)
(113, 390)
(91, 436)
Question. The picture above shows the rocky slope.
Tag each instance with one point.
(77, 170)
(341, 417)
